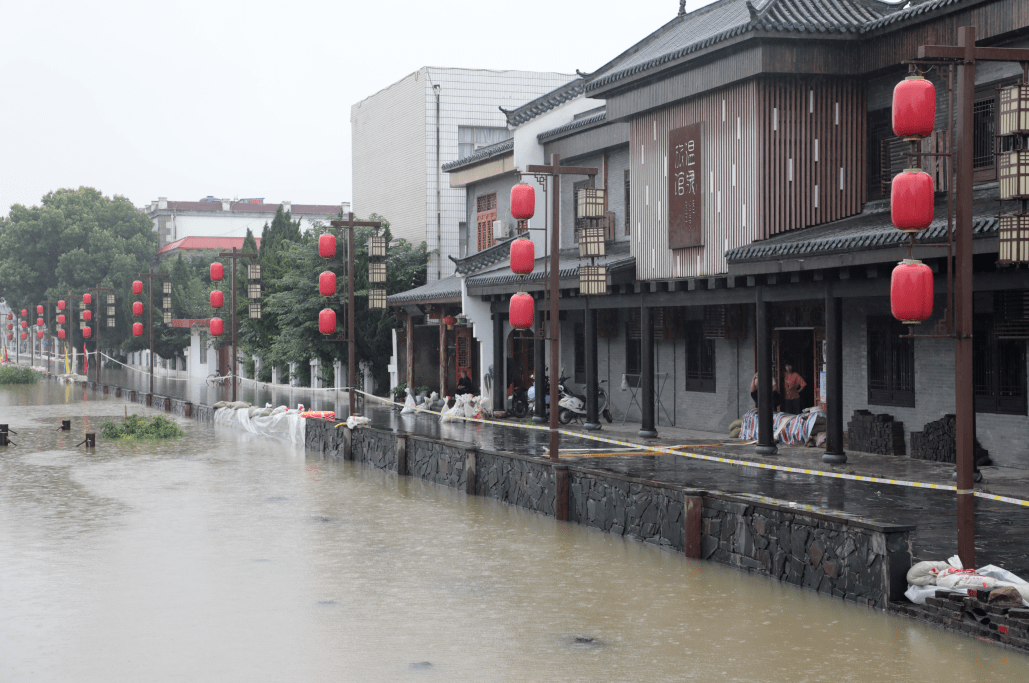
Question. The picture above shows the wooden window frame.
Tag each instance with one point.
(997, 359)
(625, 210)
(485, 214)
(894, 384)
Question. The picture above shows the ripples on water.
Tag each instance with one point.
(224, 558)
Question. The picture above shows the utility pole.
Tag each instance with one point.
(234, 255)
(110, 301)
(149, 277)
(555, 170)
(966, 54)
(349, 224)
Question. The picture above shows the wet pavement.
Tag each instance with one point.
(227, 557)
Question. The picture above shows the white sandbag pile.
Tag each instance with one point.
(926, 578)
(280, 422)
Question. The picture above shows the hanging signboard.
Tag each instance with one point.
(684, 187)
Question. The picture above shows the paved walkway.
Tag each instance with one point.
(1002, 529)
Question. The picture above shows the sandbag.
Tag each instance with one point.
(735, 424)
(734, 433)
(409, 404)
(238, 405)
(221, 404)
(925, 573)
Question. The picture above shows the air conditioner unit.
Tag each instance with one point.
(499, 230)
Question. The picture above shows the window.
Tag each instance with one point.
(462, 238)
(998, 370)
(580, 354)
(891, 363)
(700, 358)
(880, 129)
(471, 138)
(983, 159)
(628, 225)
(485, 214)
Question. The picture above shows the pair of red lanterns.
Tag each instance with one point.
(911, 200)
(522, 307)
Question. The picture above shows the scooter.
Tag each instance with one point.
(573, 406)
(531, 393)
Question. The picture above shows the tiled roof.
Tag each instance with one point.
(481, 154)
(544, 103)
(618, 257)
(447, 288)
(500, 251)
(195, 243)
(578, 123)
(870, 230)
(246, 207)
(726, 19)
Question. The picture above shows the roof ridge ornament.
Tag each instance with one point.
(682, 8)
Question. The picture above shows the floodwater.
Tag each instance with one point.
(223, 557)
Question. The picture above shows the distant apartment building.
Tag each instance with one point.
(212, 217)
(402, 136)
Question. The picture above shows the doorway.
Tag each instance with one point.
(521, 358)
(796, 347)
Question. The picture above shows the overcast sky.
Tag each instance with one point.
(184, 99)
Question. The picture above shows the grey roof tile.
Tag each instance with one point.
(446, 288)
(481, 154)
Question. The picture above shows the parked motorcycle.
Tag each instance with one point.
(573, 406)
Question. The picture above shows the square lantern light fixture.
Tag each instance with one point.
(110, 300)
(167, 302)
(255, 311)
(591, 241)
(1014, 110)
(377, 299)
(592, 280)
(167, 317)
(1013, 174)
(590, 203)
(167, 287)
(377, 272)
(110, 322)
(377, 246)
(110, 311)
(1014, 238)
(254, 290)
(254, 271)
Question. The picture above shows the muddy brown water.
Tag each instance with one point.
(224, 557)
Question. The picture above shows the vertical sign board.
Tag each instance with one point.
(685, 217)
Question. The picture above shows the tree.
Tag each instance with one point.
(73, 240)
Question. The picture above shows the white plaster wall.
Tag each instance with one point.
(481, 319)
(228, 224)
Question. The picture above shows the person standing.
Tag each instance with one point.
(793, 384)
(775, 392)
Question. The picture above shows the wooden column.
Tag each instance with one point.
(409, 349)
(401, 455)
(590, 332)
(561, 492)
(442, 355)
(469, 471)
(765, 437)
(834, 454)
(499, 363)
(539, 348)
(647, 429)
(692, 521)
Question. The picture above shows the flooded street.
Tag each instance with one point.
(224, 557)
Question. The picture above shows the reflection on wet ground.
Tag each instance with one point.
(227, 557)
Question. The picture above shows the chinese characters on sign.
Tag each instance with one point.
(684, 187)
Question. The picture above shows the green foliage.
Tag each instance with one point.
(138, 427)
(14, 374)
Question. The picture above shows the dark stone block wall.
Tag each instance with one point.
(522, 482)
(835, 556)
(651, 514)
(435, 461)
(375, 447)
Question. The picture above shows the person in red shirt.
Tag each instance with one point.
(792, 385)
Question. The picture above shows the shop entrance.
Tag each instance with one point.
(521, 358)
(796, 348)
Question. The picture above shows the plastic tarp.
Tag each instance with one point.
(288, 425)
(926, 578)
(788, 429)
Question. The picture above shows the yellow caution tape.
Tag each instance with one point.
(724, 460)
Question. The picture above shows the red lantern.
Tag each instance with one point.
(24, 323)
(60, 319)
(326, 245)
(60, 305)
(137, 308)
(86, 332)
(137, 287)
(911, 200)
(327, 283)
(137, 329)
(24, 335)
(10, 336)
(914, 108)
(10, 316)
(523, 256)
(327, 321)
(217, 326)
(911, 292)
(449, 321)
(39, 334)
(10, 326)
(39, 310)
(60, 334)
(87, 298)
(217, 272)
(521, 310)
(24, 313)
(217, 299)
(87, 315)
(39, 322)
(523, 201)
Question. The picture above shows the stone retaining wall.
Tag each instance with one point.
(435, 461)
(648, 512)
(375, 447)
(523, 482)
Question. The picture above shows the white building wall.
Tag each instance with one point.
(230, 224)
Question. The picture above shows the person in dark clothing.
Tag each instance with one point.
(464, 384)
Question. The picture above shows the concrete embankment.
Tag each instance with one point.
(834, 553)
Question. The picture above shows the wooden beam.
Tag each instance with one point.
(982, 54)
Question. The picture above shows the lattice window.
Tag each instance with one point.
(982, 125)
(628, 223)
(891, 363)
(700, 358)
(485, 214)
(998, 369)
